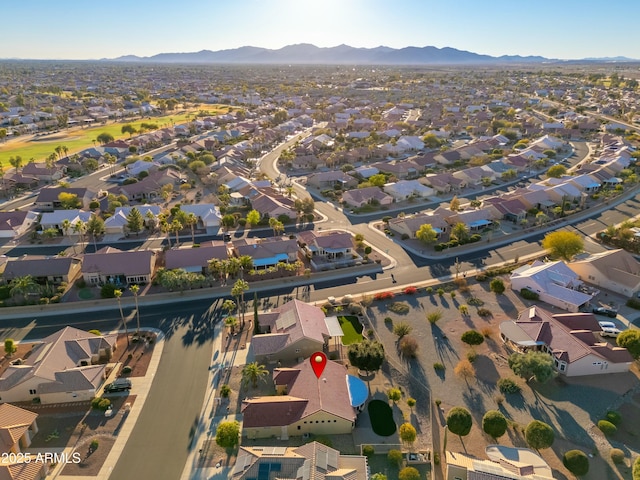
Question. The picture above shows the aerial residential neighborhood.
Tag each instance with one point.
(319, 263)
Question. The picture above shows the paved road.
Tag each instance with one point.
(163, 435)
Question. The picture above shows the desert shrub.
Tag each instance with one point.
(434, 316)
(225, 391)
(399, 307)
(486, 332)
(633, 303)
(475, 301)
(484, 312)
(529, 295)
(55, 299)
(440, 291)
(438, 367)
(410, 290)
(576, 462)
(497, 286)
(613, 417)
(383, 296)
(94, 445)
(508, 385)
(388, 320)
(394, 457)
(408, 347)
(368, 450)
(126, 370)
(472, 337)
(107, 290)
(617, 455)
(100, 403)
(607, 427)
(409, 473)
(429, 290)
(481, 277)
(401, 329)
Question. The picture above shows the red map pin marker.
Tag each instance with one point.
(318, 362)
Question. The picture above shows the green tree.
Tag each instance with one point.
(472, 337)
(95, 227)
(367, 355)
(459, 421)
(227, 434)
(135, 222)
(494, 424)
(378, 180)
(394, 394)
(539, 435)
(394, 457)
(409, 473)
(530, 365)
(128, 128)
(427, 234)
(228, 221)
(576, 462)
(253, 218)
(276, 225)
(23, 286)
(497, 286)
(10, 347)
(454, 205)
(556, 171)
(16, 162)
(104, 138)
(231, 323)
(636, 469)
(407, 433)
(563, 244)
(252, 372)
(69, 201)
(630, 339)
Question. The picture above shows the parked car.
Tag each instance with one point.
(118, 385)
(609, 329)
(605, 311)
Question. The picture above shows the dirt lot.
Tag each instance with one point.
(572, 407)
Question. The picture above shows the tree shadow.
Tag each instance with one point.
(444, 349)
(487, 375)
(474, 400)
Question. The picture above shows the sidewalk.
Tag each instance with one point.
(141, 387)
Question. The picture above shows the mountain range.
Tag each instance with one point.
(342, 54)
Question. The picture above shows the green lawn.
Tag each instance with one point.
(381, 417)
(352, 329)
(40, 148)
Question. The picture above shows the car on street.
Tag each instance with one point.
(118, 385)
(609, 329)
(609, 312)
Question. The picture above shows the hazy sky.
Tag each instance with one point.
(89, 29)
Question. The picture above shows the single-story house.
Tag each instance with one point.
(554, 282)
(301, 407)
(110, 265)
(330, 179)
(117, 223)
(267, 252)
(195, 259)
(363, 196)
(572, 339)
(44, 270)
(42, 172)
(17, 428)
(322, 463)
(208, 214)
(48, 198)
(409, 225)
(504, 463)
(16, 223)
(56, 219)
(63, 367)
(615, 270)
(405, 189)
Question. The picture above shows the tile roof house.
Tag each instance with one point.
(504, 463)
(110, 265)
(405, 189)
(208, 214)
(195, 259)
(42, 172)
(267, 252)
(17, 428)
(292, 331)
(615, 270)
(117, 223)
(321, 406)
(363, 196)
(47, 199)
(51, 270)
(554, 282)
(16, 223)
(310, 461)
(570, 338)
(61, 368)
(56, 218)
(330, 179)
(409, 225)
(328, 250)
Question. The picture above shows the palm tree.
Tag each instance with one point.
(118, 293)
(150, 220)
(192, 220)
(231, 323)
(95, 226)
(175, 227)
(135, 289)
(22, 286)
(237, 291)
(252, 372)
(229, 306)
(80, 228)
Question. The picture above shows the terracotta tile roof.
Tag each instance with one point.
(111, 261)
(272, 411)
(191, 257)
(14, 421)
